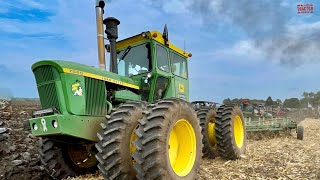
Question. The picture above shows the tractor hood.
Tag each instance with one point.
(88, 71)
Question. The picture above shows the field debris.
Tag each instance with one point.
(19, 156)
(281, 156)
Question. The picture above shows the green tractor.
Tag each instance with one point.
(133, 121)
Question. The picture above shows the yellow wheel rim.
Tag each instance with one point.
(238, 131)
(182, 147)
(212, 132)
(133, 138)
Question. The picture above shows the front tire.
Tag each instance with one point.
(169, 142)
(66, 160)
(300, 132)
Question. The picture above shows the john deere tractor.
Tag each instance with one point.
(133, 121)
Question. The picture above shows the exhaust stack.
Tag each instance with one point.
(112, 35)
(100, 36)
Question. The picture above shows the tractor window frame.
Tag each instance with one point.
(173, 65)
(149, 57)
(167, 59)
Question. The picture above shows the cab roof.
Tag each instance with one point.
(155, 35)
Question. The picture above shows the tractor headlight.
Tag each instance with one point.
(149, 75)
(34, 126)
(55, 123)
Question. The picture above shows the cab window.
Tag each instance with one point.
(134, 60)
(162, 58)
(179, 66)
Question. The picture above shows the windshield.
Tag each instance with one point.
(134, 60)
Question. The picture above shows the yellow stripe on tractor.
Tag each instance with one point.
(95, 76)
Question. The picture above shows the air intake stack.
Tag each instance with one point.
(112, 35)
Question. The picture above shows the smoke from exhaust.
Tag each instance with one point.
(270, 25)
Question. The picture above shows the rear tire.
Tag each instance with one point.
(169, 142)
(115, 146)
(230, 132)
(300, 132)
(208, 116)
(58, 161)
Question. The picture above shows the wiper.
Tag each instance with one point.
(125, 53)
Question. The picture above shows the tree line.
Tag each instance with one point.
(308, 100)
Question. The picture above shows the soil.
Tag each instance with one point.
(19, 156)
(279, 156)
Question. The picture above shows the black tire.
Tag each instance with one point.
(205, 116)
(57, 161)
(300, 132)
(224, 126)
(114, 156)
(152, 144)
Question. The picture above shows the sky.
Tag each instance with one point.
(241, 48)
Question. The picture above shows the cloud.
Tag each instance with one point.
(243, 49)
(233, 42)
(268, 25)
(25, 4)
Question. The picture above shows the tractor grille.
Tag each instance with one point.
(46, 86)
(48, 96)
(95, 93)
(43, 74)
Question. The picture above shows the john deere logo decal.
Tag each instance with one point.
(77, 88)
(181, 88)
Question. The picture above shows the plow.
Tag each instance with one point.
(133, 121)
(259, 120)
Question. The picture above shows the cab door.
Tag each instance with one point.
(162, 79)
(179, 69)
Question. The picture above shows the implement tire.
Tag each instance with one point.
(207, 119)
(230, 132)
(115, 146)
(169, 142)
(300, 132)
(59, 159)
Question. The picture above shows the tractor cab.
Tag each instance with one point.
(159, 66)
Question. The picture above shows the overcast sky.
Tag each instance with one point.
(240, 48)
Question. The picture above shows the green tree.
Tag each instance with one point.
(278, 102)
(316, 100)
(269, 101)
(292, 103)
(304, 103)
(227, 101)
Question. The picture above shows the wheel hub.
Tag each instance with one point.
(82, 155)
(238, 131)
(211, 132)
(182, 147)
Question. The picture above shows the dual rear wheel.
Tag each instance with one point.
(223, 132)
(164, 140)
(169, 142)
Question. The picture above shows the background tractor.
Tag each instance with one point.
(133, 121)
